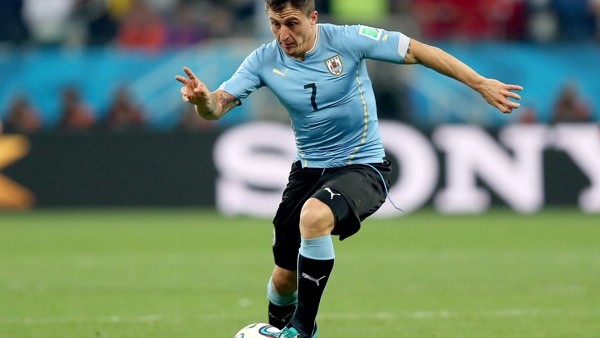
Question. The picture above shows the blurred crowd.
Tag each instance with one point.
(76, 114)
(144, 24)
(531, 20)
(156, 25)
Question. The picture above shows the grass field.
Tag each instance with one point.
(186, 273)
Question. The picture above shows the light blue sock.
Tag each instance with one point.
(320, 248)
(277, 299)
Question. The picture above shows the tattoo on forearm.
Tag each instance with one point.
(227, 101)
(218, 104)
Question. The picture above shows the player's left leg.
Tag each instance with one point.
(282, 295)
(282, 286)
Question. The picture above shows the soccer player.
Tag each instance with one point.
(340, 175)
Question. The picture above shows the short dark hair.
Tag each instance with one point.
(306, 6)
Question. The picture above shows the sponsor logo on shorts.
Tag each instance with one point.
(333, 194)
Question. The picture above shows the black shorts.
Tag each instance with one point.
(362, 190)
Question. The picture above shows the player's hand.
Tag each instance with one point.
(499, 94)
(193, 91)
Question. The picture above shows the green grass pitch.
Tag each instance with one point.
(195, 274)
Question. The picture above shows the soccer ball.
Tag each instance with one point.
(257, 330)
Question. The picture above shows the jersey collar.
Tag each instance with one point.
(314, 47)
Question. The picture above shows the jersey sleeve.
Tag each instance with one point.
(377, 44)
(246, 79)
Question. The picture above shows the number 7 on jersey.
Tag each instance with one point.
(313, 96)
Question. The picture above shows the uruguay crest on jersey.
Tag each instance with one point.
(335, 65)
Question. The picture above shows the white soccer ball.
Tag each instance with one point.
(258, 330)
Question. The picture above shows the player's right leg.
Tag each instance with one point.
(347, 196)
(315, 264)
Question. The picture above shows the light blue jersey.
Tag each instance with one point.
(329, 95)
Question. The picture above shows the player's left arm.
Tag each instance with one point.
(496, 93)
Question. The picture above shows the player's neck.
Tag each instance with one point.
(312, 43)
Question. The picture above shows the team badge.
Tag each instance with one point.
(335, 65)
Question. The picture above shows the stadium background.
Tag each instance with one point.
(122, 215)
(89, 84)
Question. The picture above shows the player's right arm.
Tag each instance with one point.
(209, 105)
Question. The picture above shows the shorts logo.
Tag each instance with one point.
(333, 194)
(335, 65)
(370, 32)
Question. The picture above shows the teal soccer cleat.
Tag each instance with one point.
(290, 332)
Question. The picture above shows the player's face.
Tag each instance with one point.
(294, 31)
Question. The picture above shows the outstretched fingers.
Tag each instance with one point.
(505, 104)
(513, 87)
(181, 79)
(193, 90)
(503, 108)
(191, 80)
(190, 74)
(512, 95)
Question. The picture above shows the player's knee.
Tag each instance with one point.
(284, 281)
(316, 219)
